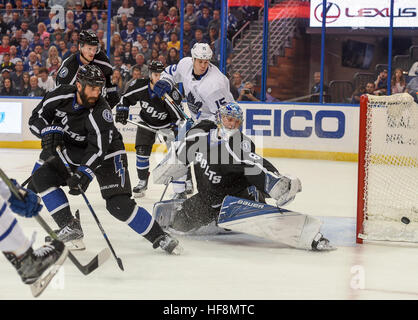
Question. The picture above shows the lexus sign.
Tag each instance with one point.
(361, 14)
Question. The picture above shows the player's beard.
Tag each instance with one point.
(88, 102)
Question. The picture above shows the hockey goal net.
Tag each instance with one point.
(387, 203)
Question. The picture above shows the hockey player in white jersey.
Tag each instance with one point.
(30, 264)
(206, 88)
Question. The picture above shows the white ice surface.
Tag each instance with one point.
(227, 266)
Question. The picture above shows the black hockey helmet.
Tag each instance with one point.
(90, 75)
(156, 66)
(88, 37)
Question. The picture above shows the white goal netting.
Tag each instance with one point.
(390, 170)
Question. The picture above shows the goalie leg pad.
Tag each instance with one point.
(284, 226)
(169, 168)
(164, 212)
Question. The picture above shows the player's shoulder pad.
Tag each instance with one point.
(101, 55)
(205, 125)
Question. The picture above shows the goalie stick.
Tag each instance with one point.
(39, 286)
(67, 166)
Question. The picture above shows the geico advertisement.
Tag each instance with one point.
(11, 117)
(359, 13)
(302, 127)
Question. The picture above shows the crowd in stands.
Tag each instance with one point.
(34, 42)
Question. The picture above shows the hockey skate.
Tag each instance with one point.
(38, 267)
(321, 244)
(168, 243)
(72, 234)
(189, 187)
(141, 187)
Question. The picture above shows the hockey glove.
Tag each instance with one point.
(122, 114)
(29, 206)
(282, 188)
(161, 87)
(80, 179)
(52, 137)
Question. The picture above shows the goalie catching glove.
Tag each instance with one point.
(282, 188)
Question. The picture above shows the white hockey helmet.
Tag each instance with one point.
(201, 51)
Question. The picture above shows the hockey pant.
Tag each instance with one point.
(115, 187)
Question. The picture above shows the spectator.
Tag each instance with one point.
(123, 69)
(203, 19)
(4, 28)
(126, 8)
(381, 83)
(52, 53)
(123, 23)
(212, 35)
(186, 49)
(32, 61)
(149, 34)
(103, 21)
(173, 56)
(8, 89)
(43, 33)
(102, 39)
(140, 29)
(355, 98)
(88, 21)
(188, 33)
(248, 93)
(8, 14)
(28, 18)
(156, 25)
(88, 5)
(315, 90)
(26, 33)
(172, 17)
(25, 88)
(136, 74)
(141, 10)
(45, 49)
(5, 74)
(232, 25)
(174, 42)
(165, 33)
(5, 44)
(7, 64)
(198, 6)
(237, 82)
(129, 35)
(398, 83)
(45, 81)
(79, 15)
(115, 41)
(156, 43)
(190, 16)
(23, 49)
(17, 76)
(63, 50)
(154, 54)
(141, 64)
(118, 81)
(145, 50)
(370, 88)
(13, 55)
(217, 48)
(269, 97)
(412, 87)
(216, 21)
(35, 90)
(198, 37)
(69, 18)
(138, 41)
(15, 23)
(163, 60)
(159, 8)
(35, 41)
(48, 22)
(163, 49)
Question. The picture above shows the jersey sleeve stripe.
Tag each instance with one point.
(103, 63)
(134, 91)
(99, 140)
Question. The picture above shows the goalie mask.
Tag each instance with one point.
(229, 119)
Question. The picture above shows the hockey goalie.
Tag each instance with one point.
(233, 183)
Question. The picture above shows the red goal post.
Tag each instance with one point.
(387, 196)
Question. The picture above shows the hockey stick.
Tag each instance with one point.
(176, 107)
(67, 166)
(98, 260)
(24, 183)
(158, 132)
